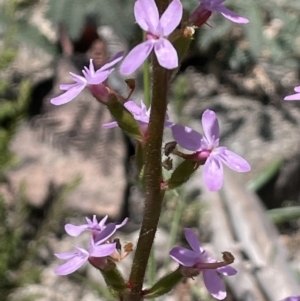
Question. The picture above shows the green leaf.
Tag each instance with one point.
(182, 173)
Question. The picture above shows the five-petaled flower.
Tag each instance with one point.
(207, 150)
(94, 226)
(140, 114)
(147, 16)
(197, 259)
(205, 9)
(295, 96)
(96, 253)
(90, 78)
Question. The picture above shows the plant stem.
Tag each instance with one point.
(153, 174)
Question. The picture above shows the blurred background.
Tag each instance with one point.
(58, 165)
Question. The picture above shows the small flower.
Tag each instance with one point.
(198, 260)
(94, 226)
(147, 16)
(294, 96)
(140, 114)
(96, 253)
(90, 77)
(206, 7)
(208, 150)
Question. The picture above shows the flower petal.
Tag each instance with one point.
(297, 89)
(72, 265)
(132, 107)
(186, 137)
(146, 15)
(102, 222)
(73, 230)
(66, 87)
(106, 233)
(103, 250)
(230, 15)
(123, 223)
(171, 17)
(214, 284)
(68, 95)
(110, 125)
(227, 270)
(67, 255)
(234, 161)
(99, 77)
(136, 57)
(193, 240)
(293, 96)
(166, 54)
(184, 256)
(213, 173)
(112, 62)
(211, 127)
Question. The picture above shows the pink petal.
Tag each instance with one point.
(112, 62)
(146, 15)
(122, 224)
(211, 127)
(68, 95)
(227, 270)
(293, 96)
(213, 173)
(297, 89)
(72, 265)
(103, 250)
(234, 161)
(99, 77)
(78, 79)
(214, 284)
(67, 255)
(136, 57)
(106, 233)
(73, 230)
(110, 125)
(66, 87)
(102, 222)
(186, 137)
(230, 15)
(132, 107)
(166, 54)
(184, 256)
(192, 239)
(171, 17)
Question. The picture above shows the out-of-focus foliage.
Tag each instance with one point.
(72, 14)
(270, 35)
(15, 23)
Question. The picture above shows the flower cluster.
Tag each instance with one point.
(99, 249)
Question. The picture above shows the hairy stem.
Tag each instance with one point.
(153, 174)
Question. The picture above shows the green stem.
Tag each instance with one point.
(175, 225)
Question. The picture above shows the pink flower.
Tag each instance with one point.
(90, 77)
(147, 16)
(206, 7)
(207, 150)
(197, 259)
(96, 253)
(294, 96)
(94, 226)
